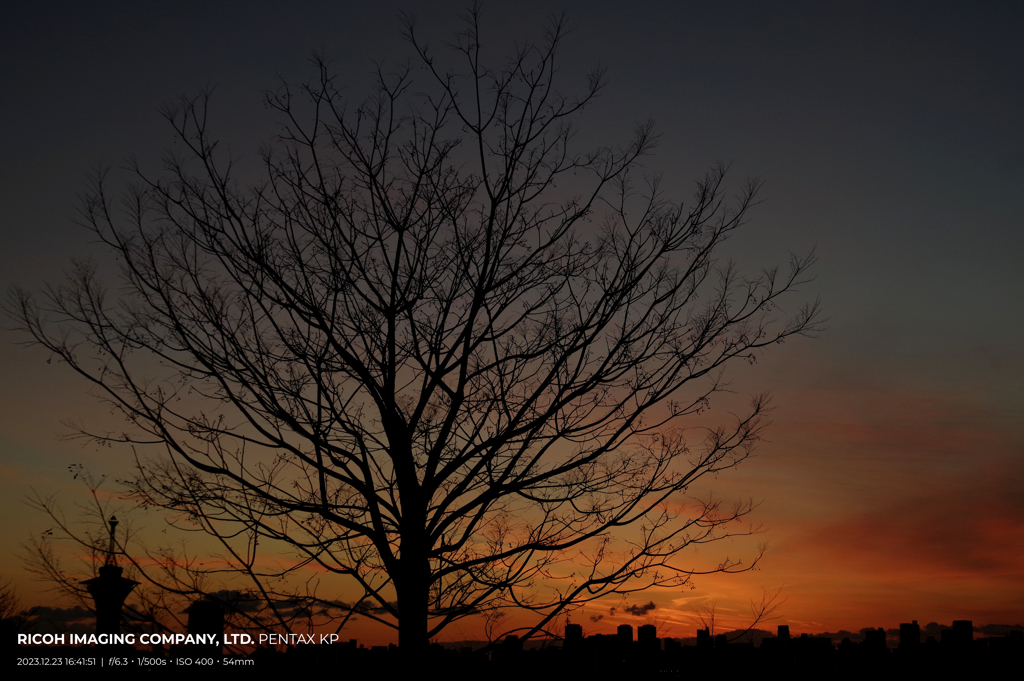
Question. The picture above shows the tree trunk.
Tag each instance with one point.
(413, 586)
(412, 610)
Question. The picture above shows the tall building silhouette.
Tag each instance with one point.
(647, 639)
(110, 589)
(910, 636)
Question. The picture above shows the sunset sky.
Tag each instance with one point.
(889, 139)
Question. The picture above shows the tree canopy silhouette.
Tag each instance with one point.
(436, 351)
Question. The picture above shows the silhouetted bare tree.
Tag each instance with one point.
(436, 352)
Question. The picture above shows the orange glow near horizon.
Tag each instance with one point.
(873, 516)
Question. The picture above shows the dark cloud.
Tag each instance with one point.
(999, 629)
(375, 610)
(61, 615)
(641, 610)
(596, 618)
(46, 620)
(854, 636)
(934, 629)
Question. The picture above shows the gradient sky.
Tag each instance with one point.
(888, 136)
